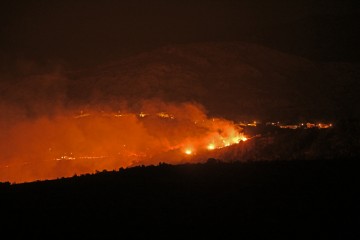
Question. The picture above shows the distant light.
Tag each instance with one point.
(142, 115)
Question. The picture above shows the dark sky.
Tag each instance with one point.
(81, 33)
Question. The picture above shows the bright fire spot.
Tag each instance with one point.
(142, 114)
(238, 139)
(226, 143)
(188, 151)
(211, 146)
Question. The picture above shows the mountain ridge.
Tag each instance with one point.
(235, 76)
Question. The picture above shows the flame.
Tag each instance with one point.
(211, 146)
(188, 151)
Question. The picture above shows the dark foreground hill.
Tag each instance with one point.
(315, 199)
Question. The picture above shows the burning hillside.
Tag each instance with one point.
(83, 142)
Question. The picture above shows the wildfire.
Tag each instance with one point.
(70, 143)
(217, 142)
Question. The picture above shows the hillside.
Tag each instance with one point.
(89, 114)
(290, 199)
(236, 80)
(230, 79)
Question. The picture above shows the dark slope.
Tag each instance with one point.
(236, 80)
(290, 199)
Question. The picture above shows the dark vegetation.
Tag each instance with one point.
(297, 199)
(337, 142)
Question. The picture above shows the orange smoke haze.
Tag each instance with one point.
(78, 141)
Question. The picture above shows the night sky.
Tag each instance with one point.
(86, 33)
